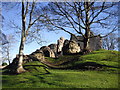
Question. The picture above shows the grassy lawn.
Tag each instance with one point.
(37, 77)
(62, 79)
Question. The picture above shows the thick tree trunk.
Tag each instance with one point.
(20, 68)
(86, 48)
(87, 31)
(9, 61)
(86, 43)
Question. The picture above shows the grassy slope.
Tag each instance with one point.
(106, 57)
(37, 77)
(103, 57)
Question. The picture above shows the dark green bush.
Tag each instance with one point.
(3, 64)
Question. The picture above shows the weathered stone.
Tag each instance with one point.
(53, 47)
(37, 56)
(95, 43)
(71, 48)
(47, 51)
(26, 58)
(60, 43)
(66, 42)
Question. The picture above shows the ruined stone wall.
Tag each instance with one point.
(95, 43)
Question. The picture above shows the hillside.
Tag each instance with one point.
(101, 59)
(98, 69)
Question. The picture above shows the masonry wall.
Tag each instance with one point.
(94, 43)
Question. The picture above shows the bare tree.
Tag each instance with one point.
(29, 30)
(110, 42)
(28, 11)
(7, 48)
(79, 18)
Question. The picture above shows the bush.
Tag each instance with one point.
(3, 64)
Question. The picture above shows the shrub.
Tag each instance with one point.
(3, 64)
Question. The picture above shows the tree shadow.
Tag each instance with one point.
(9, 72)
(34, 67)
(91, 66)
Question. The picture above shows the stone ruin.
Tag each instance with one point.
(95, 43)
(67, 47)
(60, 44)
(47, 51)
(70, 47)
(63, 47)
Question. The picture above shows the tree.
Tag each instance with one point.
(78, 18)
(7, 47)
(3, 39)
(110, 42)
(29, 30)
(28, 21)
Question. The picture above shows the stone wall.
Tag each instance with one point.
(95, 43)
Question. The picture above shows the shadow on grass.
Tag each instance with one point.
(91, 66)
(85, 66)
(80, 66)
(34, 67)
(9, 72)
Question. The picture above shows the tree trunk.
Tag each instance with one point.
(20, 68)
(8, 60)
(8, 54)
(86, 43)
(87, 30)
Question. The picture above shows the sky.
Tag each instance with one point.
(14, 15)
(48, 37)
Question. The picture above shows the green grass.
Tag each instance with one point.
(103, 57)
(62, 79)
(37, 77)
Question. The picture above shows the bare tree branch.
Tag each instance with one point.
(98, 12)
(26, 10)
(114, 29)
(67, 17)
(31, 12)
(101, 19)
(67, 14)
(80, 15)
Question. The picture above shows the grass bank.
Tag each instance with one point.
(39, 76)
(62, 79)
